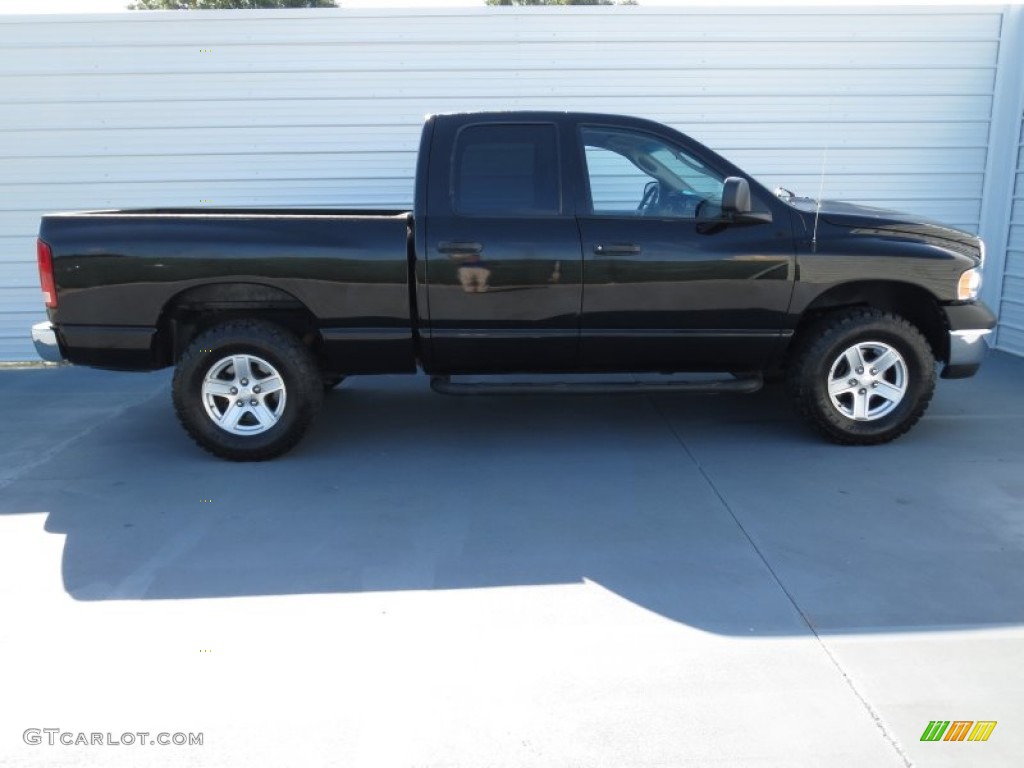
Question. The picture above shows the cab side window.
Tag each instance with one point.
(616, 185)
(631, 173)
(506, 170)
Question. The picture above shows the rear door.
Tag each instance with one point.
(503, 259)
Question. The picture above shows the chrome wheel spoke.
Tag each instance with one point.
(860, 406)
(218, 388)
(886, 361)
(270, 385)
(840, 386)
(854, 359)
(889, 392)
(243, 372)
(263, 415)
(231, 418)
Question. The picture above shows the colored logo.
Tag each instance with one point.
(958, 730)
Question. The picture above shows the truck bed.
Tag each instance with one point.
(121, 273)
(248, 211)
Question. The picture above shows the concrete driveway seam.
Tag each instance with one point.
(872, 713)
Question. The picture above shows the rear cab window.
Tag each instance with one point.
(506, 170)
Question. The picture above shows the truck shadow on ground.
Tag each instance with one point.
(720, 512)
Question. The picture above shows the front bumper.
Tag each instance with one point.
(44, 336)
(969, 327)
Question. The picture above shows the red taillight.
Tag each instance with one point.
(44, 257)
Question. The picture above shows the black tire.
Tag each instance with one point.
(278, 400)
(861, 404)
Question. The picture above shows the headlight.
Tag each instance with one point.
(969, 285)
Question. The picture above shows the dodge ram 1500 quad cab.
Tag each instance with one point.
(539, 243)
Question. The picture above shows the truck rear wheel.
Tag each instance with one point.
(862, 377)
(246, 390)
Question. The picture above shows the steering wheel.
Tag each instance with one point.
(650, 197)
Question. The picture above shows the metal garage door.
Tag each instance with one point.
(323, 107)
(1011, 320)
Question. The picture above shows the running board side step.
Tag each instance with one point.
(745, 384)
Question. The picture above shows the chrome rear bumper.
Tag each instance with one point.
(44, 336)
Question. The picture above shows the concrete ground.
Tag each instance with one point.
(525, 581)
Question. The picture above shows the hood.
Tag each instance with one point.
(863, 219)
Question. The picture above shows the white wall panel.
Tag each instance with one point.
(323, 107)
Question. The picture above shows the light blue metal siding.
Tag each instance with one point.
(1011, 321)
(324, 108)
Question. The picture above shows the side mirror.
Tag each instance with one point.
(736, 195)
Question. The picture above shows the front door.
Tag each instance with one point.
(670, 283)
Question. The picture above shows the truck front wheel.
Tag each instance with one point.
(246, 390)
(862, 376)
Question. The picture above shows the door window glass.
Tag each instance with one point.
(503, 170)
(637, 174)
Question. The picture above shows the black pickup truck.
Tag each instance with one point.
(539, 243)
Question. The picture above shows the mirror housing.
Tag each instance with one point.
(736, 196)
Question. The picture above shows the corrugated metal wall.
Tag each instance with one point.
(324, 107)
(1011, 321)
